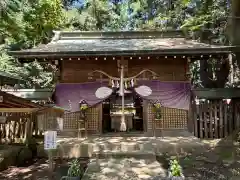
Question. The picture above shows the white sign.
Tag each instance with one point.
(60, 123)
(50, 140)
(3, 119)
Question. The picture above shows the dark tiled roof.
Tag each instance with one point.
(119, 43)
(31, 94)
(9, 79)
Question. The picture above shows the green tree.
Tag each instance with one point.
(24, 25)
(27, 23)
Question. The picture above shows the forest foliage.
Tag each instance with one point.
(27, 23)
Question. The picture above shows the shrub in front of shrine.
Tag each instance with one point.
(175, 170)
(75, 171)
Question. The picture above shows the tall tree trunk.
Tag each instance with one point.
(235, 26)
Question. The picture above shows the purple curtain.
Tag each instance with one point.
(68, 96)
(169, 94)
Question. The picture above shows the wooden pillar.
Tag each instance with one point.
(145, 116)
(190, 120)
(191, 112)
(100, 106)
(28, 127)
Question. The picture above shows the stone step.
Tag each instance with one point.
(104, 147)
(122, 146)
(94, 150)
(119, 154)
(123, 168)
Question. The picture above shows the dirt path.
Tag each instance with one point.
(204, 164)
(199, 162)
(37, 171)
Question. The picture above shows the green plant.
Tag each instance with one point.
(157, 109)
(83, 107)
(157, 105)
(75, 169)
(175, 168)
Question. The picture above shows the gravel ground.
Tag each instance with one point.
(37, 171)
(205, 163)
(196, 167)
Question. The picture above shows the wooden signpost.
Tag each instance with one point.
(50, 144)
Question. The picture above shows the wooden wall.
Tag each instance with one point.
(76, 71)
(167, 69)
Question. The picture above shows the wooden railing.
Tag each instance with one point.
(17, 127)
(215, 118)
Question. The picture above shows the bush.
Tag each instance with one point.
(175, 170)
(75, 169)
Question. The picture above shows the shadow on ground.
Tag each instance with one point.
(214, 160)
(201, 160)
(37, 171)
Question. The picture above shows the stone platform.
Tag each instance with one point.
(114, 146)
(117, 157)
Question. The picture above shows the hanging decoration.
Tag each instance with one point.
(123, 84)
(83, 105)
(157, 109)
(103, 92)
(143, 90)
(128, 82)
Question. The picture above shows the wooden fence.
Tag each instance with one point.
(17, 127)
(215, 118)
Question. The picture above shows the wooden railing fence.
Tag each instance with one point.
(17, 127)
(215, 118)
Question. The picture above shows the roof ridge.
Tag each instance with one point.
(71, 35)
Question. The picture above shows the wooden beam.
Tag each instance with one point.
(217, 93)
(20, 102)
(5, 105)
(14, 105)
(18, 109)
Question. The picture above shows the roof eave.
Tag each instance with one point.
(183, 51)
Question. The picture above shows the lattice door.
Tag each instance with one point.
(70, 121)
(92, 118)
(172, 119)
(150, 116)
